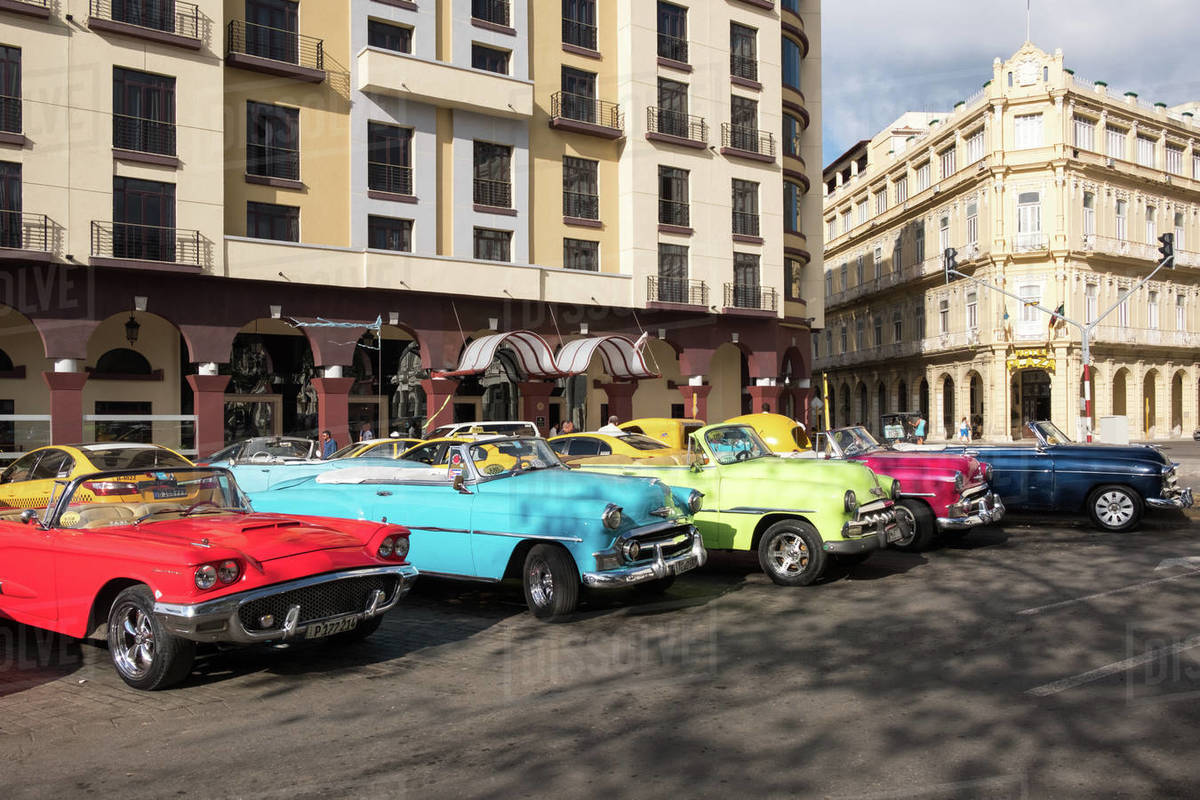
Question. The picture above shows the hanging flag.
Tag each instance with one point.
(1057, 316)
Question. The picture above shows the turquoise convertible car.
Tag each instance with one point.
(508, 508)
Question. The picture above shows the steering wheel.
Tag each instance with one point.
(201, 504)
(261, 457)
(741, 455)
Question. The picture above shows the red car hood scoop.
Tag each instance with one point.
(261, 537)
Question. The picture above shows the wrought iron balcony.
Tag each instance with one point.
(21, 231)
(497, 194)
(10, 114)
(747, 139)
(583, 114)
(126, 240)
(272, 162)
(174, 17)
(672, 47)
(745, 224)
(673, 212)
(743, 67)
(581, 206)
(391, 178)
(760, 298)
(580, 34)
(493, 11)
(143, 135)
(676, 124)
(275, 51)
(663, 289)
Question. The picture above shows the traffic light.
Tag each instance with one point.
(1166, 249)
(949, 262)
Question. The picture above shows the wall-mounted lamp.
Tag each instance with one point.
(139, 302)
(132, 328)
(583, 328)
(735, 337)
(276, 312)
(662, 333)
(493, 323)
(393, 318)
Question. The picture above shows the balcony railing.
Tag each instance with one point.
(272, 162)
(127, 240)
(751, 140)
(745, 223)
(672, 47)
(10, 114)
(581, 206)
(493, 11)
(497, 194)
(143, 135)
(20, 231)
(743, 67)
(582, 108)
(169, 16)
(580, 34)
(676, 123)
(1029, 243)
(274, 44)
(673, 212)
(761, 298)
(663, 289)
(392, 178)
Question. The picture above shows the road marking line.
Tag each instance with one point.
(1045, 690)
(1028, 612)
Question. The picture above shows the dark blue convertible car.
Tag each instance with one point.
(1112, 483)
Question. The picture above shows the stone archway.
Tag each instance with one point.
(1177, 382)
(864, 408)
(1120, 388)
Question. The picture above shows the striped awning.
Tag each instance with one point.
(620, 356)
(533, 354)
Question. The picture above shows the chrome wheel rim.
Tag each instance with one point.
(908, 522)
(1114, 508)
(134, 648)
(541, 583)
(788, 554)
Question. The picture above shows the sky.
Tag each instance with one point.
(882, 58)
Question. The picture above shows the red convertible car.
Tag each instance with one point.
(158, 575)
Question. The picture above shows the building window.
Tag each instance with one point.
(672, 115)
(1114, 142)
(581, 193)
(831, 228)
(271, 27)
(949, 159)
(389, 233)
(1180, 243)
(1180, 313)
(1123, 312)
(923, 177)
(743, 52)
(272, 141)
(1174, 160)
(389, 37)
(1029, 220)
(972, 311)
(791, 207)
(1152, 311)
(581, 254)
(829, 342)
(901, 190)
(792, 6)
(493, 175)
(862, 212)
(1031, 297)
(143, 220)
(745, 207)
(672, 32)
(846, 221)
(897, 326)
(881, 201)
(878, 330)
(920, 321)
(975, 146)
(489, 59)
(743, 127)
(844, 276)
(143, 112)
(271, 221)
(860, 340)
(493, 245)
(494, 11)
(579, 95)
(1027, 131)
(673, 196)
(579, 23)
(877, 257)
(1089, 216)
(1085, 133)
(1151, 225)
(747, 291)
(389, 158)
(944, 316)
(943, 236)
(920, 237)
(828, 284)
(10, 89)
(1122, 220)
(793, 278)
(11, 234)
(1089, 302)
(1196, 165)
(672, 273)
(845, 341)
(972, 223)
(858, 269)
(791, 136)
(898, 254)
(1145, 151)
(157, 14)
(791, 64)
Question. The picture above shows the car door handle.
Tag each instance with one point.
(384, 494)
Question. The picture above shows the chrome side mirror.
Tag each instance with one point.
(459, 485)
(29, 516)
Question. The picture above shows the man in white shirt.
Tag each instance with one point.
(611, 428)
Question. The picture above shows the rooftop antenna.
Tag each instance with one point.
(1028, 12)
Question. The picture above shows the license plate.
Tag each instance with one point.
(894, 534)
(683, 565)
(168, 493)
(320, 629)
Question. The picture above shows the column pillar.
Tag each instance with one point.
(66, 403)
(620, 399)
(438, 408)
(695, 401)
(333, 407)
(208, 392)
(765, 394)
(535, 403)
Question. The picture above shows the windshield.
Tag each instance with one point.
(639, 441)
(735, 443)
(105, 499)
(502, 457)
(1050, 433)
(347, 450)
(278, 448)
(854, 441)
(133, 457)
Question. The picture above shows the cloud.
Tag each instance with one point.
(881, 59)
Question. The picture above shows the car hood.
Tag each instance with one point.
(1144, 454)
(577, 493)
(837, 475)
(899, 464)
(262, 537)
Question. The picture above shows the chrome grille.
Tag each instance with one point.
(673, 541)
(330, 599)
(971, 491)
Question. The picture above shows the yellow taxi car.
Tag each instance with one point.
(30, 481)
(781, 434)
(376, 448)
(491, 458)
(673, 433)
(572, 447)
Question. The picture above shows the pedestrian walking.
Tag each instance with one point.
(964, 431)
(328, 444)
(920, 431)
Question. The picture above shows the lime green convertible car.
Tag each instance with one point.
(798, 514)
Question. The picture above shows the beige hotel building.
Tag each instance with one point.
(1053, 187)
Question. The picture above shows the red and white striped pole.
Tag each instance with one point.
(1087, 399)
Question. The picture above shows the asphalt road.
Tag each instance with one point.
(1026, 660)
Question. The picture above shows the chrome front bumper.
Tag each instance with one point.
(659, 567)
(873, 528)
(982, 510)
(218, 621)
(1183, 499)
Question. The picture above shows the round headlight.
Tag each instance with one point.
(228, 571)
(987, 472)
(695, 500)
(611, 517)
(401, 547)
(895, 490)
(959, 481)
(386, 546)
(851, 501)
(206, 576)
(631, 549)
